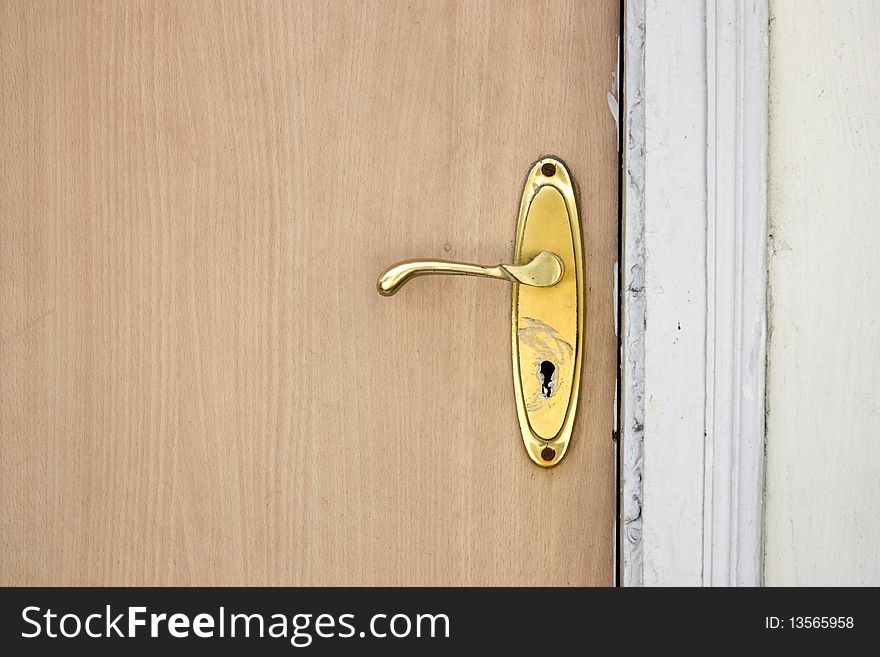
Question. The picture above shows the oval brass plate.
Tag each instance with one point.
(548, 322)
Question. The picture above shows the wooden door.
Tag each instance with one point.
(199, 383)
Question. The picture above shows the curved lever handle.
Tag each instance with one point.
(547, 325)
(544, 270)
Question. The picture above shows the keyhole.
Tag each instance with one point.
(546, 374)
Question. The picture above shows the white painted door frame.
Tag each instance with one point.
(693, 281)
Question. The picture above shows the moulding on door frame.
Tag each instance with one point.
(693, 283)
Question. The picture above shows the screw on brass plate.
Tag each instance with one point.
(549, 170)
(548, 453)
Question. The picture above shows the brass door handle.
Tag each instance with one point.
(544, 270)
(548, 307)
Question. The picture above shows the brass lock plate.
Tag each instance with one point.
(548, 322)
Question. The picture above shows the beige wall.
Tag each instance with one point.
(822, 517)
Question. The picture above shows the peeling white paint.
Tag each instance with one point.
(695, 103)
(616, 275)
(632, 279)
(613, 94)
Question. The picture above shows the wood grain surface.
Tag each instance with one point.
(198, 381)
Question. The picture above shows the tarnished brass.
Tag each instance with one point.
(548, 308)
(547, 326)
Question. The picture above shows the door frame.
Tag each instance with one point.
(693, 291)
